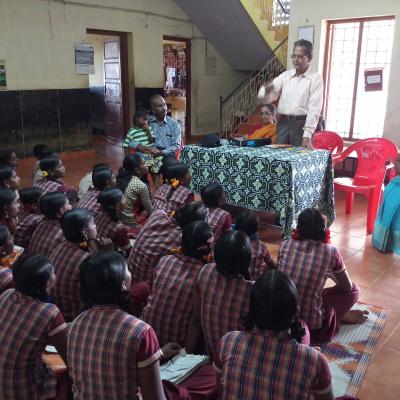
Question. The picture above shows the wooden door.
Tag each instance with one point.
(114, 119)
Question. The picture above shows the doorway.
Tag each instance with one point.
(109, 85)
(177, 80)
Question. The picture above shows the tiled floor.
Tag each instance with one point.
(377, 274)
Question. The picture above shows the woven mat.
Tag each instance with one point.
(350, 352)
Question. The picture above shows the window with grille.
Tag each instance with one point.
(354, 46)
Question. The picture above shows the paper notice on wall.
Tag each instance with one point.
(3, 79)
(84, 59)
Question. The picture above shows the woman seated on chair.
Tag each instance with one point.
(386, 234)
(268, 129)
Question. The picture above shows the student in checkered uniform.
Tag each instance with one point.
(48, 233)
(162, 232)
(261, 260)
(108, 221)
(214, 198)
(111, 353)
(9, 208)
(174, 194)
(28, 323)
(170, 304)
(6, 249)
(53, 171)
(266, 360)
(9, 178)
(221, 298)
(80, 234)
(310, 260)
(30, 217)
(102, 179)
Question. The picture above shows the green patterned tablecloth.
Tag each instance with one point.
(285, 181)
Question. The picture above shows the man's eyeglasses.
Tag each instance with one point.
(293, 56)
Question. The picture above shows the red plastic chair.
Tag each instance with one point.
(373, 158)
(327, 140)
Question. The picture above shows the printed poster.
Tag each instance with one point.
(84, 59)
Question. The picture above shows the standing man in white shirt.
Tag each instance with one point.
(300, 93)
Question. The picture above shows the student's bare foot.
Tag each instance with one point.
(355, 316)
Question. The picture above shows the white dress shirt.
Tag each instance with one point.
(299, 95)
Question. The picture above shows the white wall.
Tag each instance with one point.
(38, 36)
(316, 12)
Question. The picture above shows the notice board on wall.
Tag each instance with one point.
(84, 58)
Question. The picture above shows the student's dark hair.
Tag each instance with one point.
(247, 222)
(100, 178)
(211, 193)
(195, 237)
(5, 156)
(101, 278)
(100, 166)
(232, 254)
(31, 274)
(130, 164)
(273, 305)
(74, 222)
(108, 199)
(30, 195)
(175, 171)
(6, 172)
(50, 204)
(311, 225)
(7, 196)
(191, 212)
(41, 151)
(4, 234)
(139, 113)
(307, 45)
(49, 163)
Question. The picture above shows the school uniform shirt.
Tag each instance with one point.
(179, 197)
(309, 264)
(49, 186)
(106, 347)
(136, 192)
(270, 365)
(27, 326)
(89, 201)
(67, 259)
(170, 304)
(27, 223)
(46, 237)
(156, 239)
(220, 221)
(224, 302)
(6, 279)
(114, 230)
(261, 260)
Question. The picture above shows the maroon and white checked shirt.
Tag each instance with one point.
(224, 303)
(220, 221)
(27, 326)
(170, 304)
(114, 230)
(106, 346)
(89, 201)
(6, 279)
(49, 186)
(180, 197)
(261, 260)
(159, 235)
(270, 365)
(67, 259)
(27, 223)
(46, 237)
(309, 264)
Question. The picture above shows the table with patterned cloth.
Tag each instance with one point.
(280, 180)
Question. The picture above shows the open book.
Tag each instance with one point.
(182, 366)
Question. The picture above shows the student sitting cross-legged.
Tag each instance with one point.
(28, 323)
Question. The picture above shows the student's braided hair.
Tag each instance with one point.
(47, 165)
(274, 305)
(109, 199)
(174, 175)
(311, 225)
